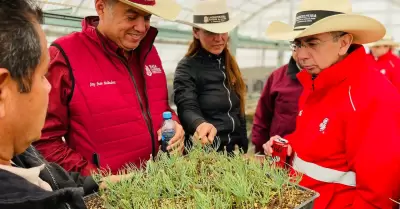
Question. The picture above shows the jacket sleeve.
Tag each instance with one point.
(87, 182)
(373, 152)
(263, 116)
(395, 74)
(185, 98)
(51, 145)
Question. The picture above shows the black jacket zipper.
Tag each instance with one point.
(51, 175)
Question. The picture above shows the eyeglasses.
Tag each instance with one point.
(294, 45)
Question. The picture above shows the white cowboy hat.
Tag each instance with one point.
(167, 9)
(213, 16)
(321, 16)
(385, 41)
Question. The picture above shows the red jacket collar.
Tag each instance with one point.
(354, 63)
(386, 57)
(90, 23)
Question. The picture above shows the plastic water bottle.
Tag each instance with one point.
(167, 130)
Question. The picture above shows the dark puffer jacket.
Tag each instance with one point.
(68, 188)
(202, 94)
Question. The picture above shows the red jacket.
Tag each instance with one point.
(388, 65)
(277, 107)
(108, 108)
(349, 121)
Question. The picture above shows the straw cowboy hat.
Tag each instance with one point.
(320, 16)
(213, 16)
(167, 9)
(385, 41)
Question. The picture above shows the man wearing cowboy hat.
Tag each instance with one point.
(383, 60)
(109, 90)
(346, 143)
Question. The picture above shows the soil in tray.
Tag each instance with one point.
(293, 198)
(94, 202)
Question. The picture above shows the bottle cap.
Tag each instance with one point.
(167, 115)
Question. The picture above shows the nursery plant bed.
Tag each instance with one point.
(94, 201)
(204, 179)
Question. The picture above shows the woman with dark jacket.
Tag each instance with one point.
(208, 86)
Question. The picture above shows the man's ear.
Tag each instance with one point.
(345, 43)
(100, 6)
(4, 89)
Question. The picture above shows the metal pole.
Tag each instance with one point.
(234, 40)
(291, 11)
(389, 15)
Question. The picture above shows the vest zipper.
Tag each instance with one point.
(146, 118)
(145, 115)
(147, 102)
(229, 99)
(148, 123)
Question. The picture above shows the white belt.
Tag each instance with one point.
(324, 174)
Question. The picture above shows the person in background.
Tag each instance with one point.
(109, 90)
(26, 179)
(208, 86)
(346, 142)
(384, 61)
(277, 107)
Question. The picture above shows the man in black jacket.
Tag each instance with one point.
(26, 179)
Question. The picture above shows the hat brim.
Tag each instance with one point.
(224, 27)
(166, 9)
(384, 43)
(364, 29)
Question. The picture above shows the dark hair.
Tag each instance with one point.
(20, 48)
(337, 34)
(235, 79)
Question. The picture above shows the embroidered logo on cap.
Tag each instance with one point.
(217, 18)
(144, 2)
(307, 18)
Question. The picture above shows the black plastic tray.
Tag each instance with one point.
(90, 196)
(309, 204)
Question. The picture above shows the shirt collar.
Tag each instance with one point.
(30, 174)
(293, 69)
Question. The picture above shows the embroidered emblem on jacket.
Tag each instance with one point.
(152, 69)
(322, 126)
(148, 71)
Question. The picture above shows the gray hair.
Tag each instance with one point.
(337, 34)
(20, 46)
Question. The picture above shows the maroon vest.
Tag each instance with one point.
(106, 115)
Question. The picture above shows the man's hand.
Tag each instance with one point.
(206, 132)
(177, 143)
(268, 147)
